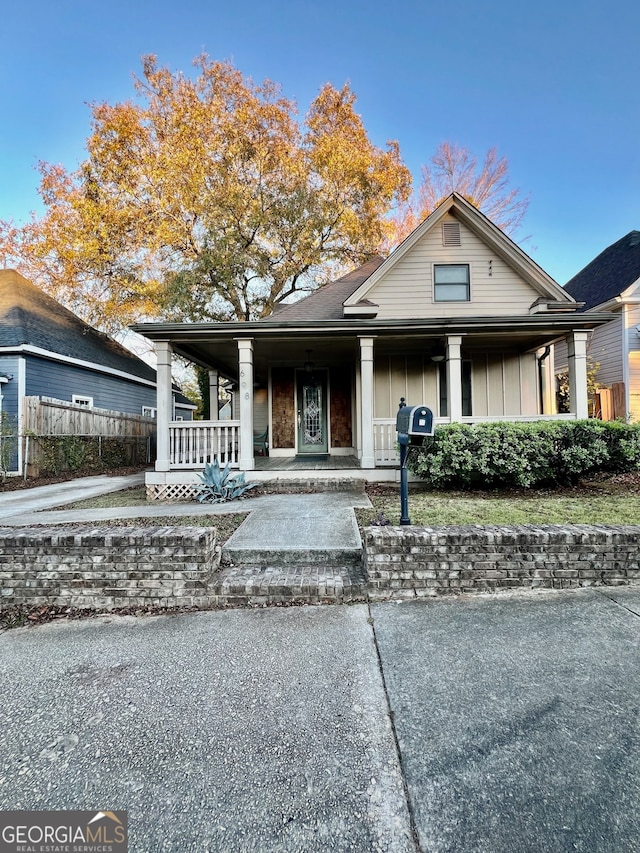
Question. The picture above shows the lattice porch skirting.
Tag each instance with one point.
(171, 491)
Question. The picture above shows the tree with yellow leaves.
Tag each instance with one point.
(206, 199)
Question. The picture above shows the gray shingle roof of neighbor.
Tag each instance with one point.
(326, 302)
(609, 274)
(29, 316)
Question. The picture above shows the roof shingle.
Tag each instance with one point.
(608, 275)
(28, 316)
(326, 302)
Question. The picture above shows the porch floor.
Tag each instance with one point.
(299, 463)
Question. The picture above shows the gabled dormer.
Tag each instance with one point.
(456, 263)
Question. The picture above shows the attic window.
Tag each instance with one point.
(450, 233)
(451, 283)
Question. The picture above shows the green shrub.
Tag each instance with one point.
(528, 454)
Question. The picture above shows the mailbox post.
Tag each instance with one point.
(412, 424)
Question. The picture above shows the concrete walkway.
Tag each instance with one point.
(23, 502)
(302, 547)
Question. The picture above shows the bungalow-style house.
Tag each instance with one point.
(458, 318)
(611, 282)
(45, 350)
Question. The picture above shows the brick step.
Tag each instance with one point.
(326, 557)
(310, 584)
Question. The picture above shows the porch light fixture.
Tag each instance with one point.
(308, 365)
(437, 353)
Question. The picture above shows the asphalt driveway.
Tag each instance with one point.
(269, 730)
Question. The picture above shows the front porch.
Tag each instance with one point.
(194, 444)
(328, 403)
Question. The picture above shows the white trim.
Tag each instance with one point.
(88, 365)
(632, 290)
(82, 400)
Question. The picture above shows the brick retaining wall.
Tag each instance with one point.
(107, 567)
(405, 562)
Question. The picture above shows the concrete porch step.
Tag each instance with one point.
(279, 584)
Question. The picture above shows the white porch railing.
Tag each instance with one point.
(194, 443)
(385, 439)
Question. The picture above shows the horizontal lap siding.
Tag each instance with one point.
(9, 390)
(407, 290)
(633, 343)
(53, 379)
(605, 348)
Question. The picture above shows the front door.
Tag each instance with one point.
(312, 412)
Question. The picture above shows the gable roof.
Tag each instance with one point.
(486, 231)
(326, 302)
(29, 317)
(609, 274)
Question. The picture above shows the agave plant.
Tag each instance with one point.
(217, 486)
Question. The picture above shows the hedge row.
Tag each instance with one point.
(525, 454)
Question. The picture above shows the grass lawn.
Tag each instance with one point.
(126, 497)
(608, 500)
(612, 501)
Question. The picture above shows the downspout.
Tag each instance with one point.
(541, 384)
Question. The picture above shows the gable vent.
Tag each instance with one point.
(450, 233)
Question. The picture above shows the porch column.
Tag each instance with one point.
(454, 377)
(245, 393)
(213, 395)
(577, 352)
(164, 404)
(366, 403)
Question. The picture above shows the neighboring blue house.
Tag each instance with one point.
(46, 351)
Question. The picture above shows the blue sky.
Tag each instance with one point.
(554, 86)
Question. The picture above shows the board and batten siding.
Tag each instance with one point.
(501, 384)
(407, 289)
(54, 379)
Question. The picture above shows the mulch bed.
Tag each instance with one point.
(598, 484)
(19, 616)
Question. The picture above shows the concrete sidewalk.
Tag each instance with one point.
(483, 725)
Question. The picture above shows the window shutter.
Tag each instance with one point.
(450, 233)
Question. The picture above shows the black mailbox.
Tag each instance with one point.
(414, 421)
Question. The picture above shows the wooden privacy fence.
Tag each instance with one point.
(47, 416)
(58, 435)
(610, 403)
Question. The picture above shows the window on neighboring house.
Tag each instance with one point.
(466, 390)
(81, 400)
(149, 412)
(451, 283)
